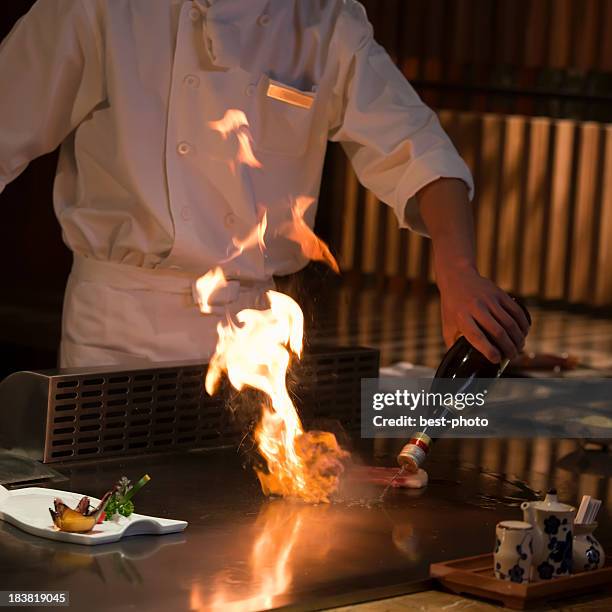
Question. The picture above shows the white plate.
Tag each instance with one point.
(28, 510)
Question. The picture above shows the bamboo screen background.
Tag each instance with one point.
(524, 89)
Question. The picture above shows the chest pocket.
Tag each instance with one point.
(284, 118)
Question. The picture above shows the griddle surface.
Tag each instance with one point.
(245, 552)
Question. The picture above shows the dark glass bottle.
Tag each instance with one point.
(464, 362)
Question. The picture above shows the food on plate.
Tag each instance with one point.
(385, 476)
(83, 518)
(121, 499)
(80, 520)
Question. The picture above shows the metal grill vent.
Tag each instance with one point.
(134, 412)
(329, 385)
(78, 414)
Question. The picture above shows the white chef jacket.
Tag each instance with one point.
(129, 88)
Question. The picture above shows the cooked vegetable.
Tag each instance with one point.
(81, 519)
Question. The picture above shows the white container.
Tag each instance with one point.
(513, 552)
(553, 524)
(588, 553)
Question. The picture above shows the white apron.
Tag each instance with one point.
(116, 314)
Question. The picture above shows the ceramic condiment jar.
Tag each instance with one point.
(588, 553)
(552, 536)
(513, 551)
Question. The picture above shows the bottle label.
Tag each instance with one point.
(412, 454)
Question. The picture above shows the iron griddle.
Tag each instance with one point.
(348, 551)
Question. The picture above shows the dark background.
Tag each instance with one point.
(545, 58)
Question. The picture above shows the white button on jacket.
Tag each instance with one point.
(129, 90)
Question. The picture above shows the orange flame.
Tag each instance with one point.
(282, 542)
(298, 230)
(256, 353)
(206, 285)
(235, 121)
(276, 542)
(255, 238)
(270, 562)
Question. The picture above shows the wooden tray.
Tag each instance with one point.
(474, 576)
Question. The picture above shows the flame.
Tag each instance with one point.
(270, 565)
(206, 285)
(235, 121)
(298, 230)
(255, 238)
(255, 349)
(282, 542)
(276, 542)
(256, 353)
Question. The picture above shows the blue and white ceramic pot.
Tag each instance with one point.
(513, 551)
(588, 553)
(553, 524)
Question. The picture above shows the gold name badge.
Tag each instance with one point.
(290, 96)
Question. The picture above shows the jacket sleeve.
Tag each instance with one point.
(393, 140)
(50, 79)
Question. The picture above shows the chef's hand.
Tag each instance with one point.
(472, 305)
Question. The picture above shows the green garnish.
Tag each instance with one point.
(120, 501)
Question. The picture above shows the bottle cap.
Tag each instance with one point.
(413, 455)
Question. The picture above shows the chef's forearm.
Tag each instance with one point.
(472, 306)
(447, 214)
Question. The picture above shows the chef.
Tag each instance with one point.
(149, 196)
